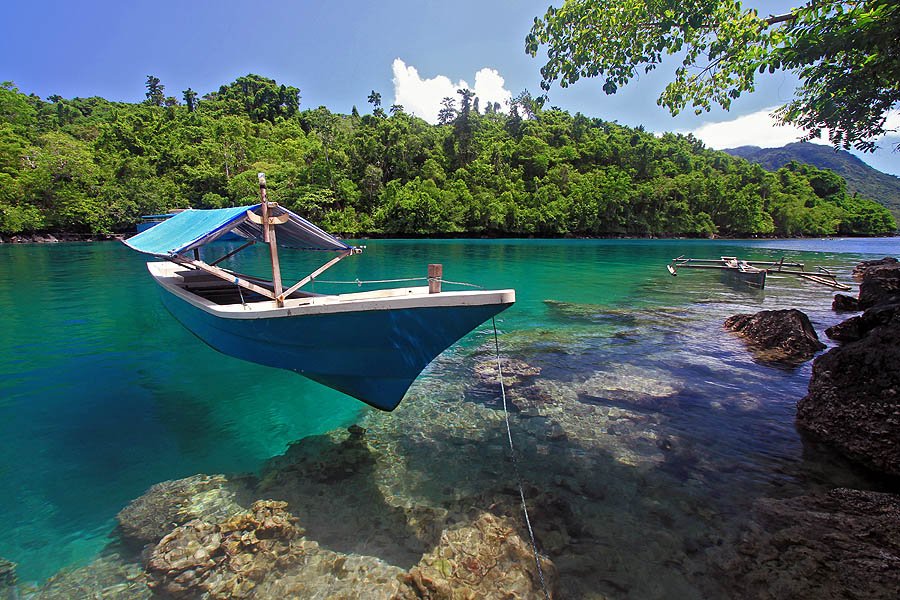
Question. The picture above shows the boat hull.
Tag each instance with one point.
(755, 278)
(373, 353)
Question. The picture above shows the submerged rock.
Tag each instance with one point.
(330, 483)
(110, 577)
(8, 579)
(784, 336)
(843, 544)
(642, 387)
(171, 503)
(483, 559)
(7, 573)
(514, 371)
(262, 554)
(225, 560)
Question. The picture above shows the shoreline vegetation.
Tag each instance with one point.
(56, 238)
(88, 166)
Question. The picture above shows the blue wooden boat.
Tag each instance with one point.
(370, 345)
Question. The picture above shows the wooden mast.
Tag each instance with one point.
(269, 236)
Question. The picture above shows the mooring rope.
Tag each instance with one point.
(240, 293)
(512, 452)
(359, 282)
(480, 287)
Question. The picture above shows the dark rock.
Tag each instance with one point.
(859, 270)
(857, 327)
(843, 544)
(880, 285)
(845, 303)
(784, 336)
(171, 503)
(845, 331)
(853, 402)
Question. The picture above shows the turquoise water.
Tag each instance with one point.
(102, 394)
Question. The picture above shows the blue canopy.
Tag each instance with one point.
(194, 228)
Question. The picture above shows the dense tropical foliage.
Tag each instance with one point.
(860, 177)
(90, 165)
(843, 51)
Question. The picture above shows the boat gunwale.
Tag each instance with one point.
(163, 272)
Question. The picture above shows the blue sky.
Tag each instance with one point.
(336, 52)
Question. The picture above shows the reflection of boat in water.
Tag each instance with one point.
(753, 273)
(370, 345)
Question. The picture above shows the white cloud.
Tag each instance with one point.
(762, 129)
(489, 88)
(422, 97)
(756, 129)
(892, 123)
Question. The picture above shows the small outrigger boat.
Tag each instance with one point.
(753, 273)
(370, 345)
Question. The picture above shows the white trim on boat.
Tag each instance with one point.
(166, 274)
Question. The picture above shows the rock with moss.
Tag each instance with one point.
(483, 559)
(169, 504)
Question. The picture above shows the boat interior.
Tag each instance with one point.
(219, 291)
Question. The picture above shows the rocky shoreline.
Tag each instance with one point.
(50, 238)
(842, 543)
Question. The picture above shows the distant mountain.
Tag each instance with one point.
(861, 178)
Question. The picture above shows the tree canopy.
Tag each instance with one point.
(90, 165)
(845, 54)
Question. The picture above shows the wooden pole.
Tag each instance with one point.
(315, 274)
(269, 236)
(224, 275)
(435, 273)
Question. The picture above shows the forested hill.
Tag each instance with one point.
(90, 165)
(860, 177)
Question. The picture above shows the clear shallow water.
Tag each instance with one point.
(102, 394)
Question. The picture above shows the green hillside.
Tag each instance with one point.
(861, 178)
(90, 165)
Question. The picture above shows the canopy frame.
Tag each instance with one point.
(182, 246)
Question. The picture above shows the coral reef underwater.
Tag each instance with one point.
(644, 477)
